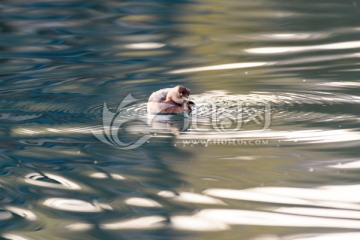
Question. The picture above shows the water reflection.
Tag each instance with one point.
(243, 217)
(151, 222)
(25, 213)
(79, 227)
(348, 164)
(40, 180)
(326, 196)
(148, 45)
(142, 202)
(333, 46)
(333, 236)
(190, 197)
(198, 224)
(75, 205)
(61, 60)
(11, 236)
(101, 175)
(168, 123)
(220, 67)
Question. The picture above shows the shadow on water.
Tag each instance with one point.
(270, 152)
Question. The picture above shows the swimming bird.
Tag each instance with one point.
(170, 100)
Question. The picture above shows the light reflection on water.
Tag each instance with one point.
(334, 46)
(61, 60)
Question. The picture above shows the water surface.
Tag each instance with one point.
(207, 176)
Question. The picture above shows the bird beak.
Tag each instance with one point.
(185, 99)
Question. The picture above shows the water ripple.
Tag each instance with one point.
(332, 46)
(74, 205)
(61, 60)
(43, 181)
(325, 196)
(150, 222)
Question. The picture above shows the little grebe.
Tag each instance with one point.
(170, 100)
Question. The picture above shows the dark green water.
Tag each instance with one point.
(212, 175)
